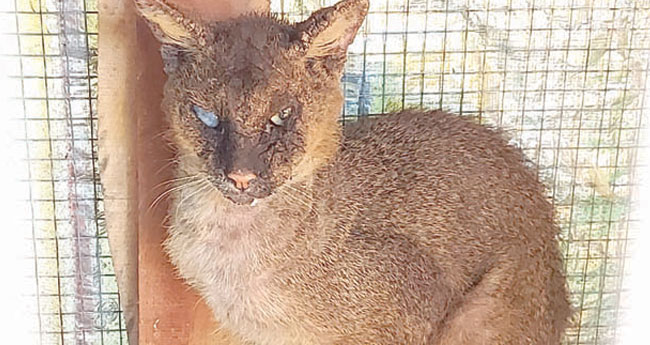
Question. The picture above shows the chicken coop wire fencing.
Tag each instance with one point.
(49, 60)
(565, 79)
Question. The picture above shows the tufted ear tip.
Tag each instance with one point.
(329, 31)
(169, 25)
(360, 6)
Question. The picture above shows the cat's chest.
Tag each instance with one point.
(225, 256)
(210, 245)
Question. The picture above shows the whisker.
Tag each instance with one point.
(290, 193)
(206, 184)
(160, 134)
(171, 161)
(299, 191)
(167, 165)
(169, 191)
(175, 179)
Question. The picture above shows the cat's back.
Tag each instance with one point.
(433, 140)
(419, 171)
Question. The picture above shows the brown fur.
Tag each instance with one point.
(412, 228)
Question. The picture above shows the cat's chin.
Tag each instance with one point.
(243, 199)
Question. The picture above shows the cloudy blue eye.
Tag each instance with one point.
(207, 117)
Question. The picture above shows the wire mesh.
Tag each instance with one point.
(566, 80)
(50, 59)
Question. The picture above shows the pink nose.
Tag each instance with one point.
(241, 179)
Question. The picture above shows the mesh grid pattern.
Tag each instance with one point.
(50, 61)
(565, 79)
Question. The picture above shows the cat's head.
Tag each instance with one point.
(253, 103)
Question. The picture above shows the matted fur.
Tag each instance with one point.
(412, 228)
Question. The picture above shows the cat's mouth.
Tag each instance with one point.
(241, 199)
(246, 197)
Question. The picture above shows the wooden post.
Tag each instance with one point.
(117, 147)
(159, 308)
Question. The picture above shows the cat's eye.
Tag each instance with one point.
(208, 118)
(278, 119)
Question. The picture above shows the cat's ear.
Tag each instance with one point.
(329, 31)
(169, 25)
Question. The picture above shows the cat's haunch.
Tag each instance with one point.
(413, 228)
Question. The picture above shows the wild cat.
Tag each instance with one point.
(419, 227)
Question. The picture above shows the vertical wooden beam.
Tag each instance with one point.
(165, 304)
(117, 147)
(134, 156)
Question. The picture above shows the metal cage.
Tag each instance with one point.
(565, 79)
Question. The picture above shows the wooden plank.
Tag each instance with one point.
(116, 149)
(164, 302)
